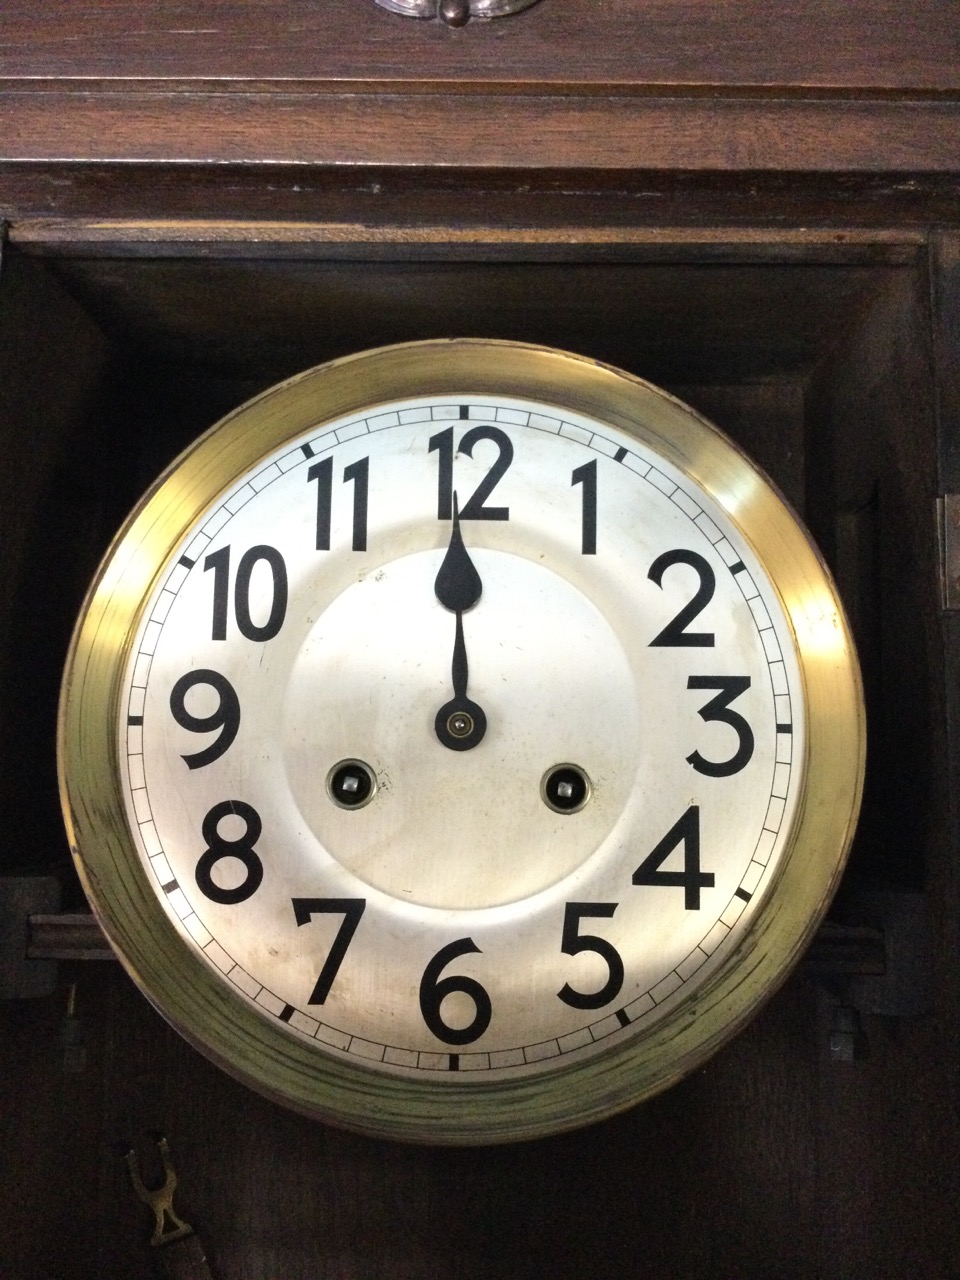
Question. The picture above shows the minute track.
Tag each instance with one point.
(703, 528)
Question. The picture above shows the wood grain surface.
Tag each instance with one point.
(481, 131)
(755, 204)
(571, 86)
(847, 46)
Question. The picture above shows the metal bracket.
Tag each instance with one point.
(876, 959)
(66, 936)
(878, 963)
(24, 974)
(948, 528)
(455, 13)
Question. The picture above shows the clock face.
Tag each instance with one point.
(484, 741)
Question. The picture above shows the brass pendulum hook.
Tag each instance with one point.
(168, 1226)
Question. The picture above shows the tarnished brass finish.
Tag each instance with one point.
(168, 1225)
(458, 1110)
(455, 12)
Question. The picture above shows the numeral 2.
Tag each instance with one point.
(475, 508)
(675, 633)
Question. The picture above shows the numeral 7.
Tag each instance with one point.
(351, 909)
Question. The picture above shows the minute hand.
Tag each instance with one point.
(460, 723)
(458, 584)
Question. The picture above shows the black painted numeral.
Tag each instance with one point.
(219, 562)
(226, 717)
(434, 989)
(442, 444)
(718, 708)
(357, 473)
(573, 942)
(587, 476)
(304, 909)
(241, 848)
(691, 879)
(675, 633)
(475, 507)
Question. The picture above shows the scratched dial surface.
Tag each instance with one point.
(617, 627)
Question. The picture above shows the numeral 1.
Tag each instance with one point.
(442, 445)
(587, 476)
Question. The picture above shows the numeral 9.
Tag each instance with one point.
(226, 716)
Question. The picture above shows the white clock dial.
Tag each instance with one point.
(465, 738)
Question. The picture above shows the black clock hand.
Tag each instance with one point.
(458, 584)
(460, 723)
(459, 671)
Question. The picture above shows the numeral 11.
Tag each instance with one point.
(358, 473)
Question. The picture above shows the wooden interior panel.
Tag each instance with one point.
(683, 321)
(772, 1159)
(53, 385)
(855, 90)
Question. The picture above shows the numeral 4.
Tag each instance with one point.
(691, 879)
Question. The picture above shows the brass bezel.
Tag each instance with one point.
(219, 1021)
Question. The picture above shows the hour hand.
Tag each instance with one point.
(460, 723)
(458, 584)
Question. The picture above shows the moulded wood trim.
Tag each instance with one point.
(827, 44)
(226, 238)
(484, 131)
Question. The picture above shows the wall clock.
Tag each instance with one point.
(460, 741)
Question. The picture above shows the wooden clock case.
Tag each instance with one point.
(759, 212)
